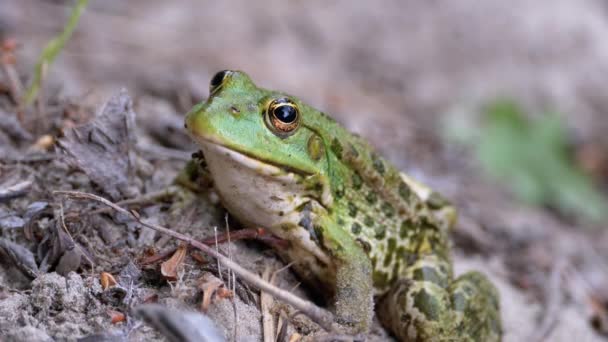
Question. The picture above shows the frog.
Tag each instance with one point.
(368, 237)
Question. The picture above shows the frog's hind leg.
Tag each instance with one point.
(476, 300)
(426, 306)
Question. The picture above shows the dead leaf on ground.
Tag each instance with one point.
(210, 285)
(103, 148)
(107, 280)
(116, 316)
(170, 268)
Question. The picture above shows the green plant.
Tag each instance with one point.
(52, 49)
(531, 156)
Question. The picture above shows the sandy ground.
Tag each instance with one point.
(392, 71)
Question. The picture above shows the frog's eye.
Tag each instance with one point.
(283, 116)
(218, 80)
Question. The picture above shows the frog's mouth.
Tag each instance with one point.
(261, 166)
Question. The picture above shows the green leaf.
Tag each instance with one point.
(52, 49)
(531, 157)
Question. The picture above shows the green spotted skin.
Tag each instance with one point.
(358, 228)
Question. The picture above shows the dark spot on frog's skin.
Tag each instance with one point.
(427, 273)
(355, 228)
(388, 255)
(340, 222)
(318, 187)
(391, 246)
(388, 209)
(427, 225)
(315, 147)
(371, 197)
(374, 260)
(327, 117)
(380, 279)
(459, 301)
(378, 164)
(380, 232)
(406, 227)
(368, 221)
(352, 209)
(404, 190)
(402, 254)
(281, 213)
(396, 267)
(319, 233)
(340, 191)
(336, 147)
(427, 304)
(367, 248)
(357, 181)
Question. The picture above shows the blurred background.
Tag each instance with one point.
(499, 105)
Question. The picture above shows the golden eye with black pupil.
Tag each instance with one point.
(217, 80)
(283, 116)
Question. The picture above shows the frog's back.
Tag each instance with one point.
(377, 206)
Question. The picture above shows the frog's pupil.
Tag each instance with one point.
(286, 113)
(217, 79)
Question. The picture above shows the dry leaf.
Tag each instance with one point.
(209, 284)
(170, 268)
(200, 258)
(223, 292)
(107, 280)
(116, 316)
(44, 143)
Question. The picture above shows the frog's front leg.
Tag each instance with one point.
(426, 305)
(354, 302)
(354, 293)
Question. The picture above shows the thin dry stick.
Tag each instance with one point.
(322, 317)
(266, 304)
(67, 231)
(147, 198)
(232, 285)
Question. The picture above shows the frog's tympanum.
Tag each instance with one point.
(357, 228)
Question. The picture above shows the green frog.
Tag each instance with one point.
(359, 231)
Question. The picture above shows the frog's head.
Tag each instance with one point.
(260, 132)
